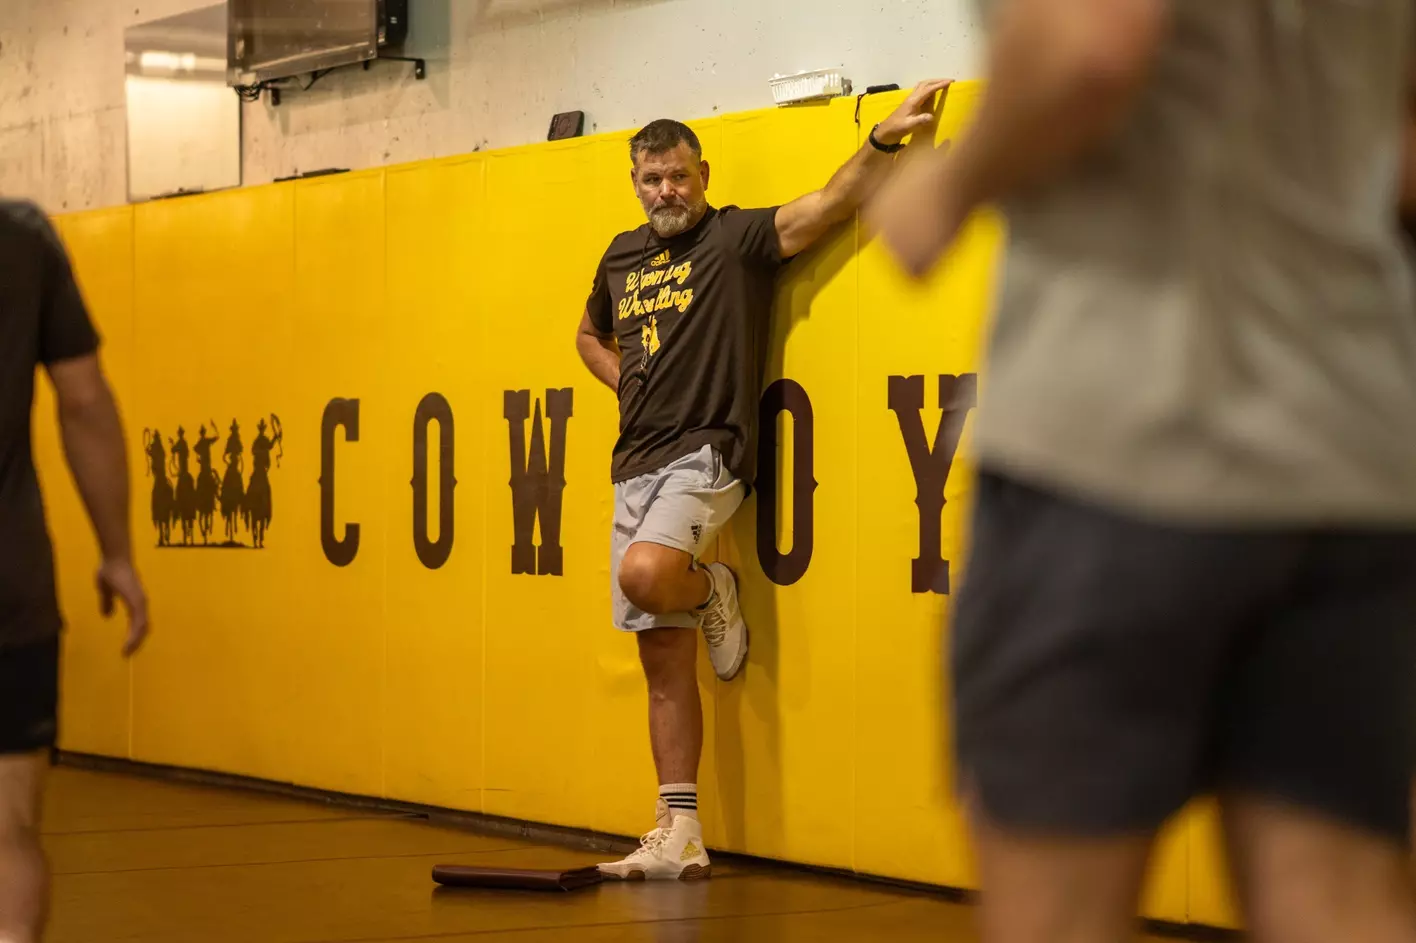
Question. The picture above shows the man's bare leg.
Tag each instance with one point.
(683, 600)
(1413, 827)
(24, 872)
(662, 580)
(1038, 889)
(1302, 878)
(670, 658)
(674, 850)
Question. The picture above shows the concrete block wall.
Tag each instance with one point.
(498, 71)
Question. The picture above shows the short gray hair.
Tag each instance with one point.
(664, 135)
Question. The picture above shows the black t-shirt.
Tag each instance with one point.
(42, 320)
(691, 315)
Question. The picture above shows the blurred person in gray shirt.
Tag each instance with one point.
(1193, 561)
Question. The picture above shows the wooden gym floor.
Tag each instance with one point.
(163, 862)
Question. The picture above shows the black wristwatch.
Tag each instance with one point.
(887, 148)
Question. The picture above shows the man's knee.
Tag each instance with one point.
(645, 574)
(1320, 909)
(24, 874)
(1303, 877)
(20, 849)
(21, 780)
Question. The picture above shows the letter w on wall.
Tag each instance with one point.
(931, 464)
(537, 481)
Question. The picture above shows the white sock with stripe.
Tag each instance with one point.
(712, 585)
(682, 798)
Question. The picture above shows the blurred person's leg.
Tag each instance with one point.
(1316, 757)
(1089, 655)
(28, 711)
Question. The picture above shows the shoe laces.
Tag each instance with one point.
(715, 617)
(715, 623)
(651, 843)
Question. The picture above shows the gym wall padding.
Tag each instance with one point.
(408, 631)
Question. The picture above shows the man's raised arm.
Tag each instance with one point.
(805, 220)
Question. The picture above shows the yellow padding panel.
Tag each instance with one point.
(916, 344)
(1211, 893)
(779, 789)
(545, 610)
(333, 635)
(219, 685)
(429, 618)
(97, 719)
(435, 355)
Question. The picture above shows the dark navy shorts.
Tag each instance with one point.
(29, 697)
(1106, 670)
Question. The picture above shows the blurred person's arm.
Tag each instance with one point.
(1062, 77)
(91, 430)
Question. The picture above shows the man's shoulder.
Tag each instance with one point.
(737, 219)
(625, 247)
(733, 211)
(23, 219)
(630, 238)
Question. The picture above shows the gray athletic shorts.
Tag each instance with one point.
(1108, 669)
(682, 505)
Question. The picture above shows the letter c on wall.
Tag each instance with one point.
(345, 413)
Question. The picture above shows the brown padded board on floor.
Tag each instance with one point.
(452, 875)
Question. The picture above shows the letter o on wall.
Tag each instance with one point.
(786, 396)
(433, 406)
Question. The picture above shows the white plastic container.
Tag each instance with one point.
(809, 86)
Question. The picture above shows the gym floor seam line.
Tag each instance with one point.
(289, 861)
(375, 807)
(662, 921)
(567, 837)
(177, 828)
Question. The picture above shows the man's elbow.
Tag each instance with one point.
(86, 402)
(586, 344)
(1110, 54)
(1107, 79)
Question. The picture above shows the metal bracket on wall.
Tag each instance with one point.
(253, 93)
(420, 66)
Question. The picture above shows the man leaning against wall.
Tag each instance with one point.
(677, 325)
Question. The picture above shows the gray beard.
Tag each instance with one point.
(671, 221)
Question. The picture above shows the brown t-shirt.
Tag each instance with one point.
(691, 315)
(42, 320)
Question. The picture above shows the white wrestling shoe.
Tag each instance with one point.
(672, 852)
(723, 627)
